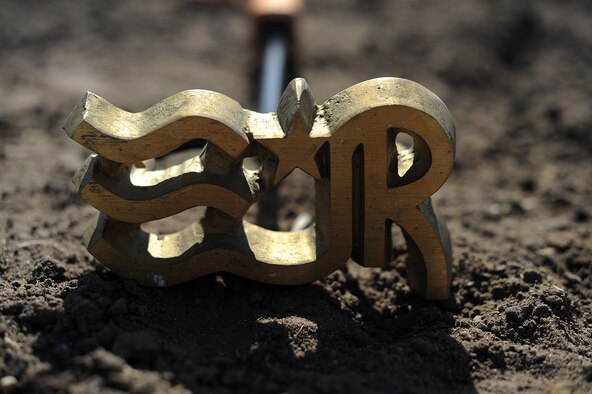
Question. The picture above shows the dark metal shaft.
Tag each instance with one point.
(273, 70)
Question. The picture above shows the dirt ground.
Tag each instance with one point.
(517, 78)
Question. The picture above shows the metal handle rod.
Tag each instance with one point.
(273, 69)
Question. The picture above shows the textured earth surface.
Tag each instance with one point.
(516, 76)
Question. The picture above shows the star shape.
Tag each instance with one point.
(296, 149)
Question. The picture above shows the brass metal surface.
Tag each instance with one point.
(364, 182)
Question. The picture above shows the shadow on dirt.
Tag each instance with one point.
(223, 333)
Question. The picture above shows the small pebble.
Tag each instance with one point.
(8, 384)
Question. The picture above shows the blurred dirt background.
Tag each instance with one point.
(516, 76)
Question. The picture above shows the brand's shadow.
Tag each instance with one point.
(224, 333)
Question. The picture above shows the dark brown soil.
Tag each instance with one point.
(516, 76)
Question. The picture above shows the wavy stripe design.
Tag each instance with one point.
(127, 137)
(138, 196)
(176, 258)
